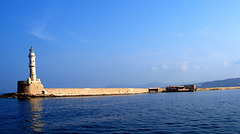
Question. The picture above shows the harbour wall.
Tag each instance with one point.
(32, 91)
(92, 91)
(217, 88)
(35, 88)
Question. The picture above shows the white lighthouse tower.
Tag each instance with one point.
(32, 64)
(32, 85)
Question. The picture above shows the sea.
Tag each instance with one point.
(182, 112)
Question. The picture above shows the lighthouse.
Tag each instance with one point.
(32, 85)
(32, 64)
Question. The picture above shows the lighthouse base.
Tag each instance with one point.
(30, 87)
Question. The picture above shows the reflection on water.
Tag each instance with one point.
(31, 110)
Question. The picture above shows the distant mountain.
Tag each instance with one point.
(220, 83)
(217, 83)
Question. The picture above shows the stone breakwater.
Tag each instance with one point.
(217, 88)
(93, 91)
(73, 92)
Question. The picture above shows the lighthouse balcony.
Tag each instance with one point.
(31, 65)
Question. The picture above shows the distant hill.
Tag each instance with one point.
(217, 83)
(220, 83)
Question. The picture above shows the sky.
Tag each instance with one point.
(93, 43)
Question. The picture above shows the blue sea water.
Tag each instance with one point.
(186, 112)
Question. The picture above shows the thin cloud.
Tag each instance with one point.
(77, 37)
(164, 66)
(154, 68)
(184, 67)
(197, 67)
(206, 32)
(225, 64)
(38, 30)
(180, 35)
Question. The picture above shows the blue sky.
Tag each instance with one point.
(100, 43)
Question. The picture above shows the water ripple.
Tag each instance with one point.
(197, 112)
